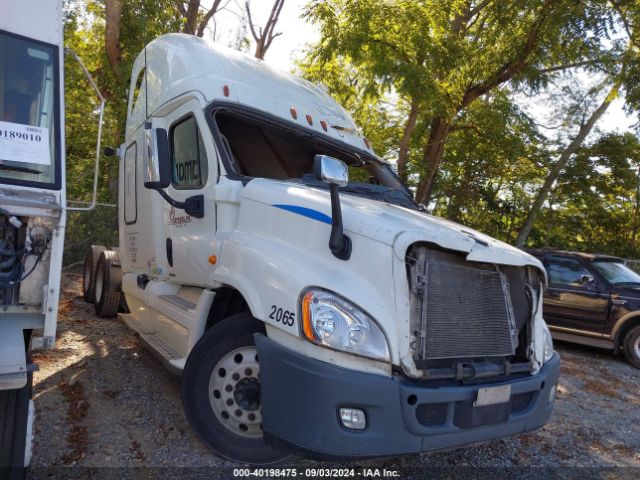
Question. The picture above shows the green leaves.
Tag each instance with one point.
(142, 21)
(468, 149)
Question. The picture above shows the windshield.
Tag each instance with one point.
(28, 112)
(617, 273)
(256, 148)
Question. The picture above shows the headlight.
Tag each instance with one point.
(332, 322)
(548, 344)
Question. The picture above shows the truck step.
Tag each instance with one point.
(180, 302)
(160, 346)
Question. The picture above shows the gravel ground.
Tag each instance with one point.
(102, 400)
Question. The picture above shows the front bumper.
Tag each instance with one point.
(301, 396)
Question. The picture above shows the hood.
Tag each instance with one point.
(392, 225)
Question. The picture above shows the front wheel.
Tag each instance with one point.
(221, 392)
(632, 346)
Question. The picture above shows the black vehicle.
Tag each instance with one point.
(592, 300)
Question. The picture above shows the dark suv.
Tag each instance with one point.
(592, 300)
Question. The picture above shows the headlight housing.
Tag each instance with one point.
(547, 344)
(333, 322)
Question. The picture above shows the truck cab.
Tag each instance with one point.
(270, 257)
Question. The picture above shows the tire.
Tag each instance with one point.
(225, 350)
(632, 346)
(107, 285)
(14, 414)
(89, 272)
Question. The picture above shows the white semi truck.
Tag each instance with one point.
(270, 257)
(32, 208)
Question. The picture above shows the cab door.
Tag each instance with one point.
(571, 303)
(187, 242)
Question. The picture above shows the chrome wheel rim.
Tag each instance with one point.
(234, 392)
(636, 348)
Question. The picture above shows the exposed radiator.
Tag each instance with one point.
(464, 309)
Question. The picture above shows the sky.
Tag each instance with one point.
(296, 33)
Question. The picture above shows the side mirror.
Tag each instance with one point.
(330, 170)
(157, 164)
(334, 173)
(157, 171)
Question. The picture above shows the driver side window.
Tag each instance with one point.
(566, 271)
(188, 155)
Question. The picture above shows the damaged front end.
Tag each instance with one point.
(471, 320)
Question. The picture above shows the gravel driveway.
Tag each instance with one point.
(102, 400)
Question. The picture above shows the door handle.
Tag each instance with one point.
(169, 245)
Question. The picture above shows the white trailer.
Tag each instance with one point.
(32, 208)
(32, 201)
(269, 256)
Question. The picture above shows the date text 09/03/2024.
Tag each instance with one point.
(316, 472)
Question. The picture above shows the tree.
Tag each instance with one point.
(561, 163)
(594, 205)
(108, 37)
(441, 57)
(622, 74)
(264, 36)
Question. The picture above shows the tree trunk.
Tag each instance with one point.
(561, 163)
(113, 14)
(405, 142)
(432, 156)
(191, 17)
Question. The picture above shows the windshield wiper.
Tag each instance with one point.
(627, 283)
(20, 169)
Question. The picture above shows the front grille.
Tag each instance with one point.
(464, 309)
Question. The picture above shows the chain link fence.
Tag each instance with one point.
(96, 227)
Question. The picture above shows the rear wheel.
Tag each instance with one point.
(14, 422)
(221, 392)
(632, 346)
(107, 284)
(89, 272)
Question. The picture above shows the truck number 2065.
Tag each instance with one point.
(283, 316)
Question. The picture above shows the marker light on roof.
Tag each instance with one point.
(294, 113)
(309, 120)
(324, 125)
(366, 142)
(225, 90)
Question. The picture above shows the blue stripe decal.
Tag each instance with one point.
(306, 212)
